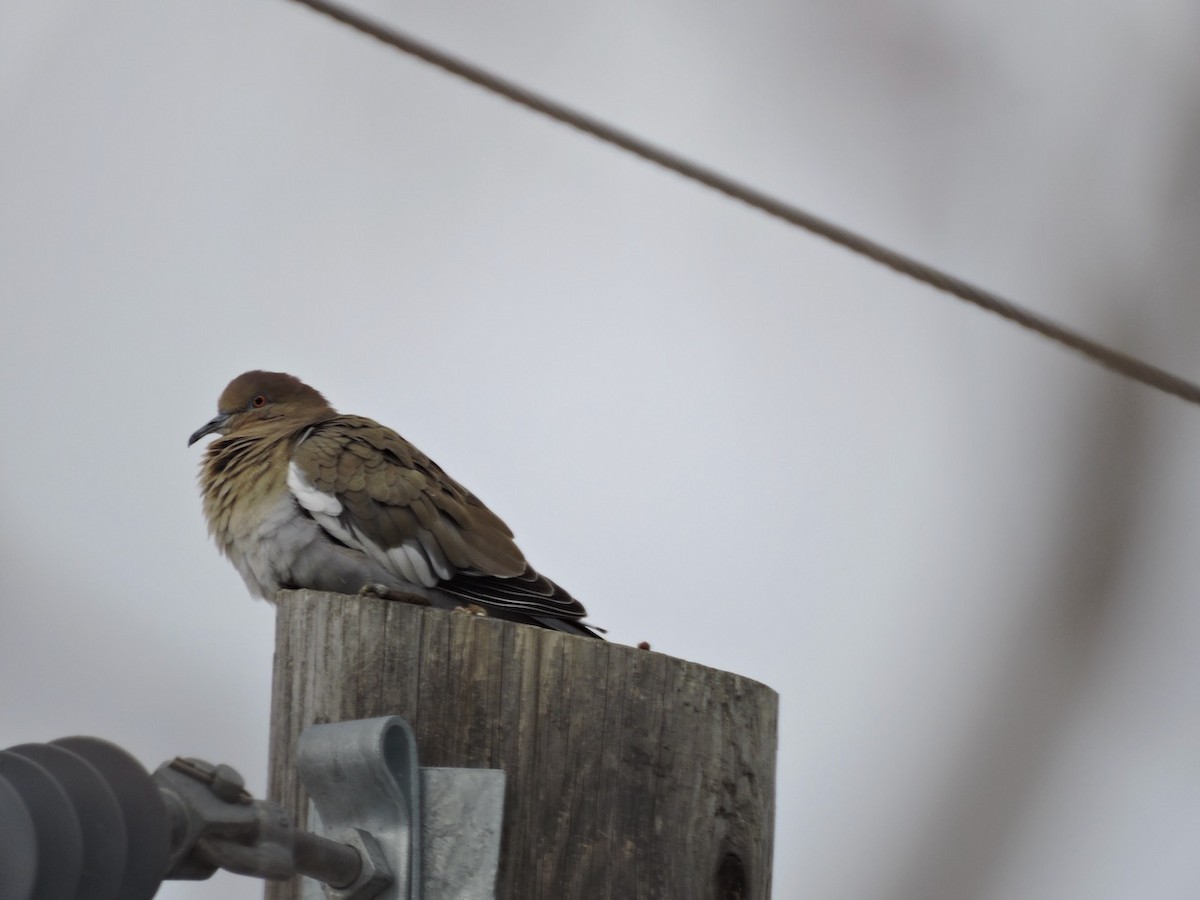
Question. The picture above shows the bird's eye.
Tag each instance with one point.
(259, 402)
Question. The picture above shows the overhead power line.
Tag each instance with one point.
(1125, 364)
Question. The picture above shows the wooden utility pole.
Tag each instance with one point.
(630, 775)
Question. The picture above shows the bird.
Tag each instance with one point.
(297, 495)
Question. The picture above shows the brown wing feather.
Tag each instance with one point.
(393, 492)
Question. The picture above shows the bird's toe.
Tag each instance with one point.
(383, 592)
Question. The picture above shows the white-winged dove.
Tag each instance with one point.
(298, 496)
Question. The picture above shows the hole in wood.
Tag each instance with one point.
(731, 878)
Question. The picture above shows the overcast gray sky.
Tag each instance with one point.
(964, 558)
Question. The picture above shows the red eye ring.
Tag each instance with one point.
(259, 402)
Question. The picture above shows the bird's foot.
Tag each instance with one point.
(383, 592)
(471, 609)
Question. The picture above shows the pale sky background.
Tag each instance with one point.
(965, 559)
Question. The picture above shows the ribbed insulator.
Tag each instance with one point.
(80, 818)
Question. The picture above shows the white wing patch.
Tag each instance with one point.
(413, 561)
(398, 561)
(434, 554)
(316, 502)
(416, 557)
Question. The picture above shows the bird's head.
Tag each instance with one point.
(255, 397)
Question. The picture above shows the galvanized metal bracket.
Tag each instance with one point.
(437, 830)
(461, 814)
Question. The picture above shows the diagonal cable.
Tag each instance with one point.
(1125, 364)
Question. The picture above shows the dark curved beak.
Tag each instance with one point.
(216, 425)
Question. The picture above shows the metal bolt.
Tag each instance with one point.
(228, 784)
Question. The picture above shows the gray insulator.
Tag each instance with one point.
(147, 830)
(81, 820)
(18, 850)
(56, 826)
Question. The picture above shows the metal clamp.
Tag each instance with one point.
(360, 776)
(439, 828)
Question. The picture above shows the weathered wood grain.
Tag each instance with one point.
(630, 774)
